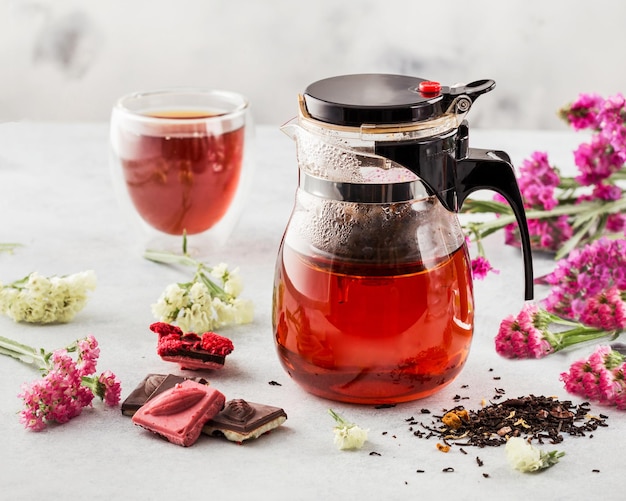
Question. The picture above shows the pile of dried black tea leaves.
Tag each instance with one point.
(538, 418)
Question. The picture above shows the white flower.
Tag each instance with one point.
(243, 310)
(38, 299)
(524, 457)
(174, 296)
(347, 435)
(202, 305)
(233, 285)
(220, 272)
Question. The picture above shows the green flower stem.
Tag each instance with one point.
(549, 459)
(585, 215)
(169, 258)
(214, 289)
(338, 419)
(23, 353)
(9, 247)
(560, 210)
(93, 383)
(185, 260)
(17, 284)
(581, 334)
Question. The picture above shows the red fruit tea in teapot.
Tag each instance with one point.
(372, 333)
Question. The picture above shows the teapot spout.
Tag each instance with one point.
(291, 128)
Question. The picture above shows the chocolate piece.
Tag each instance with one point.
(179, 413)
(151, 386)
(241, 420)
(141, 393)
(196, 359)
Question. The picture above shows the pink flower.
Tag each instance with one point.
(88, 353)
(537, 181)
(584, 274)
(616, 223)
(112, 388)
(605, 311)
(522, 336)
(57, 397)
(599, 377)
(528, 335)
(66, 386)
(549, 234)
(597, 160)
(619, 378)
(583, 113)
(481, 267)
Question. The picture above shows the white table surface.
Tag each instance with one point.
(56, 199)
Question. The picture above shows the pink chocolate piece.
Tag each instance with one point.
(180, 413)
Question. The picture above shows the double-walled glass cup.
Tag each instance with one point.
(182, 163)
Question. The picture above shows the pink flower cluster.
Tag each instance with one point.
(605, 154)
(538, 181)
(524, 335)
(543, 189)
(67, 387)
(588, 285)
(481, 267)
(606, 310)
(535, 333)
(606, 116)
(600, 377)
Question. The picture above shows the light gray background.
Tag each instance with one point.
(71, 59)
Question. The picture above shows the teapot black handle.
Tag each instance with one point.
(492, 170)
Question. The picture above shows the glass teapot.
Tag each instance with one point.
(373, 298)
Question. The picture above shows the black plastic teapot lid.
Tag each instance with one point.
(374, 98)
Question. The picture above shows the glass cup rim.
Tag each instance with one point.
(122, 103)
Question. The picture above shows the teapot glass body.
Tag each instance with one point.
(372, 302)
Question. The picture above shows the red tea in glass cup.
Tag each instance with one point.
(181, 156)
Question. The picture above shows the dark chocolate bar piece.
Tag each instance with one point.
(150, 387)
(241, 420)
(141, 393)
(193, 359)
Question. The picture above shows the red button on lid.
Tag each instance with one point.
(428, 87)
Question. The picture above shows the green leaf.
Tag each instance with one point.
(472, 206)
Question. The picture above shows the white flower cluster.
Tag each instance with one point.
(204, 304)
(39, 299)
(524, 457)
(347, 435)
(350, 437)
